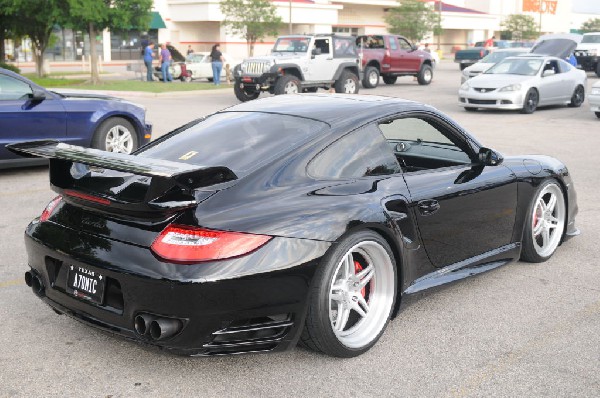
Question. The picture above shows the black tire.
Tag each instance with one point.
(310, 89)
(578, 97)
(389, 79)
(288, 84)
(318, 333)
(243, 95)
(347, 83)
(425, 75)
(210, 79)
(532, 99)
(371, 77)
(463, 66)
(121, 126)
(470, 109)
(186, 78)
(598, 69)
(529, 252)
(597, 114)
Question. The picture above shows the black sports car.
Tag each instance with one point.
(297, 217)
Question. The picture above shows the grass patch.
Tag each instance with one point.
(122, 85)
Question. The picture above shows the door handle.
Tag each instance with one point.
(428, 206)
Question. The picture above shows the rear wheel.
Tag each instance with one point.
(115, 135)
(288, 84)
(578, 97)
(371, 77)
(425, 75)
(389, 79)
(545, 223)
(531, 101)
(347, 83)
(243, 95)
(351, 301)
(598, 115)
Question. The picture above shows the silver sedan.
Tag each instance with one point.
(524, 83)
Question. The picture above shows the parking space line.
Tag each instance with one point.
(14, 282)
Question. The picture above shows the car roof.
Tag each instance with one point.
(337, 110)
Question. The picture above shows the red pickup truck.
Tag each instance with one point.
(391, 56)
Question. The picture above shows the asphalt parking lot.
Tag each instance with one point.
(521, 330)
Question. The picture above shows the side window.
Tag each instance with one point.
(344, 47)
(404, 45)
(393, 44)
(564, 66)
(552, 65)
(13, 89)
(361, 153)
(322, 44)
(424, 143)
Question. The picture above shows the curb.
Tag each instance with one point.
(139, 94)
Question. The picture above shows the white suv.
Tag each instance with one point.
(300, 63)
(588, 52)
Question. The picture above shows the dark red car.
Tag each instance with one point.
(391, 56)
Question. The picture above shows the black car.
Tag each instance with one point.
(297, 217)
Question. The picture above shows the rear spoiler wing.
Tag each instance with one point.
(165, 174)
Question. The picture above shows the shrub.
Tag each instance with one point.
(10, 67)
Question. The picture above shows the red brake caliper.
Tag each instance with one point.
(357, 269)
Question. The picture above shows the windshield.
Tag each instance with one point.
(241, 141)
(591, 39)
(292, 44)
(498, 56)
(516, 66)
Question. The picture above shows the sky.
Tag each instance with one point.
(586, 6)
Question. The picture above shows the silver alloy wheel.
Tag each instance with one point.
(119, 139)
(349, 86)
(373, 78)
(361, 294)
(427, 75)
(548, 220)
(290, 88)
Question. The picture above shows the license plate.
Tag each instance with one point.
(86, 284)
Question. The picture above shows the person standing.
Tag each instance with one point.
(490, 42)
(217, 59)
(165, 62)
(148, 56)
(190, 50)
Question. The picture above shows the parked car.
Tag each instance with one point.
(594, 99)
(588, 52)
(391, 56)
(305, 217)
(488, 61)
(30, 112)
(300, 63)
(469, 56)
(178, 67)
(528, 81)
(200, 65)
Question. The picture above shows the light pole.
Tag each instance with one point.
(290, 22)
(540, 27)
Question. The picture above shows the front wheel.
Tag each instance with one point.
(287, 84)
(347, 83)
(531, 101)
(353, 296)
(371, 77)
(578, 97)
(545, 223)
(115, 135)
(425, 75)
(243, 95)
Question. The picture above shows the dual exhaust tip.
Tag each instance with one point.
(156, 327)
(34, 282)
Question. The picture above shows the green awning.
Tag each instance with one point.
(157, 21)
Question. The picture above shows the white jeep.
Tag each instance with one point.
(300, 63)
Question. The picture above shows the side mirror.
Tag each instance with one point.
(413, 47)
(548, 72)
(37, 94)
(489, 157)
(316, 51)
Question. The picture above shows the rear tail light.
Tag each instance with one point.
(481, 53)
(50, 208)
(181, 243)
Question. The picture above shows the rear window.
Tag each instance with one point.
(241, 141)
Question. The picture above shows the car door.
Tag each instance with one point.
(24, 119)
(407, 60)
(462, 208)
(551, 86)
(321, 65)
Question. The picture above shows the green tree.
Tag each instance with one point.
(519, 27)
(591, 25)
(97, 15)
(36, 19)
(413, 19)
(252, 19)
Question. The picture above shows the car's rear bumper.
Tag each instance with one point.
(235, 311)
